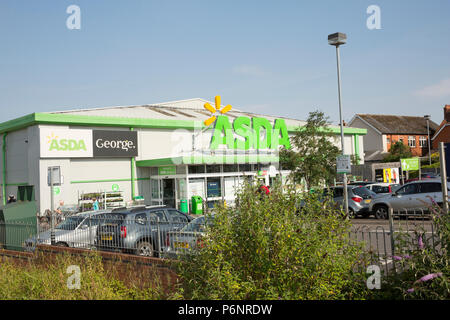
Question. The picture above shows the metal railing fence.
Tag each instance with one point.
(160, 238)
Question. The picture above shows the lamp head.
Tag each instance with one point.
(336, 39)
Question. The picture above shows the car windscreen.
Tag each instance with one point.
(70, 223)
(198, 225)
(363, 192)
(380, 189)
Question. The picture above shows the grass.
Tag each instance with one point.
(48, 280)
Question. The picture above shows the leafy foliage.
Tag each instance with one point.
(398, 151)
(266, 249)
(313, 154)
(422, 263)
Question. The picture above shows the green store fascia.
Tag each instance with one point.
(99, 121)
(82, 120)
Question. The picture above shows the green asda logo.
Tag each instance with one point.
(65, 144)
(255, 133)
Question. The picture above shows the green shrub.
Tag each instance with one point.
(265, 249)
(422, 264)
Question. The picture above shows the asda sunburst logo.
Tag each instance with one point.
(213, 110)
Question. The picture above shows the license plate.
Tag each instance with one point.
(367, 201)
(183, 245)
(107, 238)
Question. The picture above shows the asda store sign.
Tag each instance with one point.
(249, 133)
(65, 143)
(84, 143)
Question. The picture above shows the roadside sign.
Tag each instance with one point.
(410, 164)
(343, 164)
(54, 173)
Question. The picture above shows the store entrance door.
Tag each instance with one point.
(168, 186)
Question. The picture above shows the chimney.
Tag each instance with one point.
(447, 113)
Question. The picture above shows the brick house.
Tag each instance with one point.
(443, 132)
(384, 130)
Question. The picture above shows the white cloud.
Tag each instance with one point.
(441, 89)
(249, 70)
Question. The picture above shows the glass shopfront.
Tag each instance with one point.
(214, 183)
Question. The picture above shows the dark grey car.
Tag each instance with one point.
(140, 230)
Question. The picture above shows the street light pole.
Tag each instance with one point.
(338, 39)
(429, 142)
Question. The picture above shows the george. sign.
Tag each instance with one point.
(114, 143)
(168, 170)
(65, 143)
(343, 164)
(410, 164)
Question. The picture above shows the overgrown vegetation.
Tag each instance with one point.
(422, 263)
(44, 280)
(266, 249)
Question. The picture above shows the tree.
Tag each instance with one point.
(398, 151)
(313, 154)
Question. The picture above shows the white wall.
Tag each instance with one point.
(78, 177)
(373, 139)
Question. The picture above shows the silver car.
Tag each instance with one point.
(77, 231)
(413, 196)
(188, 238)
(359, 199)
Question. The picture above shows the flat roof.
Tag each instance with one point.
(184, 114)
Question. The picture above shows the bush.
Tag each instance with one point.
(422, 265)
(265, 249)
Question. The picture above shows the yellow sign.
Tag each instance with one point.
(213, 110)
(387, 175)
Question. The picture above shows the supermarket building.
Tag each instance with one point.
(160, 154)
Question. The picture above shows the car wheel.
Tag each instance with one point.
(144, 249)
(351, 213)
(381, 212)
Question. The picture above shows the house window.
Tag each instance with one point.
(423, 142)
(412, 141)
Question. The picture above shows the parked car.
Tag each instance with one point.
(383, 187)
(139, 230)
(424, 176)
(76, 231)
(413, 196)
(359, 199)
(360, 183)
(188, 238)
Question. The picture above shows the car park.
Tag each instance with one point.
(139, 230)
(77, 231)
(415, 196)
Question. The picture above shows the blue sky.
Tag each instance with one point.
(270, 57)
